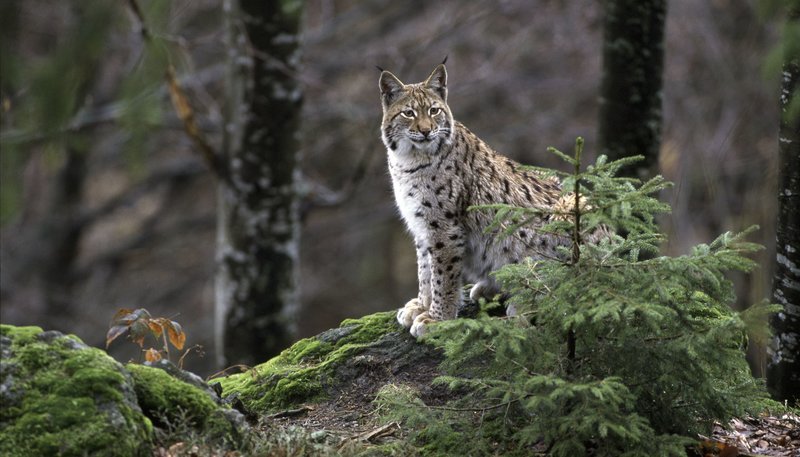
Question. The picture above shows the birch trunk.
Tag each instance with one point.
(783, 368)
(258, 226)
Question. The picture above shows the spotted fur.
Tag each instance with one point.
(439, 169)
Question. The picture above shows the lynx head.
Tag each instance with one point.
(416, 117)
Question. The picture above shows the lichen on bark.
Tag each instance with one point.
(783, 368)
(258, 221)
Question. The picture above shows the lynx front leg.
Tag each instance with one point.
(417, 306)
(446, 259)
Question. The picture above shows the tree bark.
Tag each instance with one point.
(630, 92)
(783, 368)
(258, 202)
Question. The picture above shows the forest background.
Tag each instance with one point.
(523, 75)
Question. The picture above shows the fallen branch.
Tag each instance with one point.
(370, 435)
(291, 412)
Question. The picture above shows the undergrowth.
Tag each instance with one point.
(615, 349)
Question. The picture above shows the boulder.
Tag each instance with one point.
(61, 397)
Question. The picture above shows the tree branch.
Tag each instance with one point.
(183, 109)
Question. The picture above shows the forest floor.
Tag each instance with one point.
(351, 418)
(352, 421)
(755, 436)
(349, 423)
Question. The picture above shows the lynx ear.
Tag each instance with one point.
(437, 81)
(391, 87)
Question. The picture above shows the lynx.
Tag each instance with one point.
(439, 169)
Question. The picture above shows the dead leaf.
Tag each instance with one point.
(138, 331)
(122, 312)
(115, 332)
(152, 355)
(728, 451)
(176, 335)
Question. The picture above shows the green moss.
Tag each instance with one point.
(21, 335)
(298, 374)
(307, 349)
(170, 402)
(66, 399)
(159, 393)
(370, 328)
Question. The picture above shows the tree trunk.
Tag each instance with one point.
(61, 234)
(630, 92)
(783, 369)
(258, 201)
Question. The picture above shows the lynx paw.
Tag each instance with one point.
(408, 313)
(419, 327)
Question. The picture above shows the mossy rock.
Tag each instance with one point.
(186, 408)
(363, 353)
(61, 397)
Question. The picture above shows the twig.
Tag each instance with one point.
(482, 410)
(197, 348)
(242, 367)
(290, 412)
(320, 196)
(87, 118)
(383, 430)
(523, 367)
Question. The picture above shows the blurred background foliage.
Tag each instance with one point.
(105, 205)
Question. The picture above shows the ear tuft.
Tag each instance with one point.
(390, 86)
(437, 81)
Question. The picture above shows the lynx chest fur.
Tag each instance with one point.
(439, 169)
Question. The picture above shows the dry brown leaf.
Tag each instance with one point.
(152, 355)
(176, 335)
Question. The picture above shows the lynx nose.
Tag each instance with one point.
(425, 132)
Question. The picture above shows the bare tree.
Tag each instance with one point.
(630, 98)
(258, 226)
(783, 369)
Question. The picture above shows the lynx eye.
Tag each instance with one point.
(434, 111)
(409, 113)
